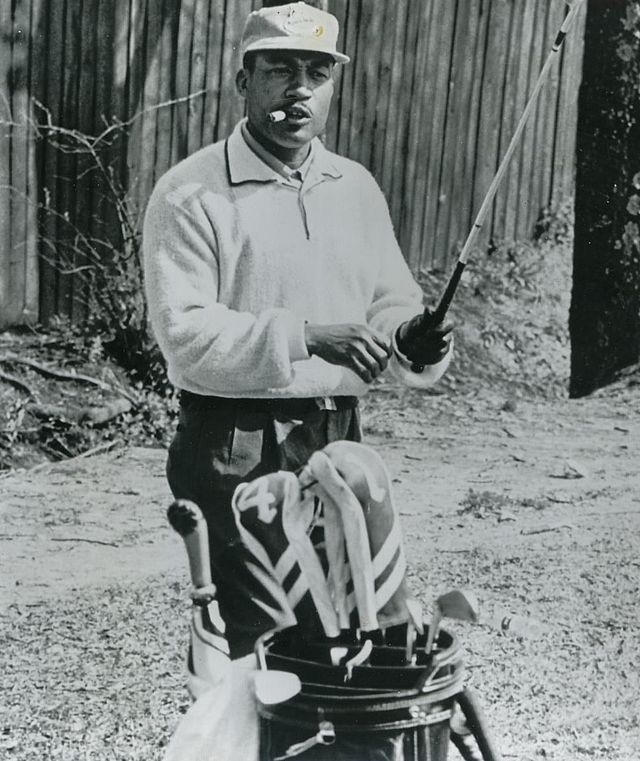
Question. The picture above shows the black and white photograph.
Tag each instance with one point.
(320, 380)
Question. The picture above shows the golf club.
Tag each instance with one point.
(358, 659)
(273, 687)
(431, 319)
(461, 605)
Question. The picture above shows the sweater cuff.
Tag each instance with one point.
(400, 368)
(295, 339)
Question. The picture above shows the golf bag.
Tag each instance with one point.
(369, 683)
(373, 687)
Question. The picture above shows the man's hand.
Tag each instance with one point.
(422, 341)
(357, 347)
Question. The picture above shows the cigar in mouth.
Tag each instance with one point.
(277, 116)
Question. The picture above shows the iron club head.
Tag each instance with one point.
(459, 604)
(272, 687)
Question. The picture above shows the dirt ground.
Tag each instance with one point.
(535, 505)
(503, 485)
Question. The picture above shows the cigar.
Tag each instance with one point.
(277, 116)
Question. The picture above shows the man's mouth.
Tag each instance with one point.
(297, 114)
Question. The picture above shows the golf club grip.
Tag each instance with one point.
(474, 717)
(187, 519)
(431, 319)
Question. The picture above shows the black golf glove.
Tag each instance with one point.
(422, 341)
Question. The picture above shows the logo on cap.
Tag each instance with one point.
(303, 26)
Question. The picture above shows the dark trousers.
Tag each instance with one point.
(220, 443)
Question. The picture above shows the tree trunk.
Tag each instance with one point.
(605, 306)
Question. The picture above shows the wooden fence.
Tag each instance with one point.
(428, 103)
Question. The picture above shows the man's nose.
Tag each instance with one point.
(299, 87)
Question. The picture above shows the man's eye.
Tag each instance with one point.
(319, 75)
(281, 71)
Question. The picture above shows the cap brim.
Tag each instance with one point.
(293, 43)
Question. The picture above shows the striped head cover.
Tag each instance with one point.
(355, 577)
(275, 519)
(354, 486)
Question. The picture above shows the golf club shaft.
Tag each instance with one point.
(432, 633)
(436, 317)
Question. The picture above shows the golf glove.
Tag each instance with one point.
(422, 341)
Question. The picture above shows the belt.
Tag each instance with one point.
(287, 407)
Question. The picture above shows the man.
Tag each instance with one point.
(277, 292)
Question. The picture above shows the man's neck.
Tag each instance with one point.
(292, 157)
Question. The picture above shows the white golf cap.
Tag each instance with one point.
(296, 26)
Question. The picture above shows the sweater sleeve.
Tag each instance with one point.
(209, 346)
(397, 298)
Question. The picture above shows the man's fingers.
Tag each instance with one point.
(383, 342)
(361, 370)
(379, 353)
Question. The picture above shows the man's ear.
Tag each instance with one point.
(241, 82)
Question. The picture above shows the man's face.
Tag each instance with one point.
(296, 82)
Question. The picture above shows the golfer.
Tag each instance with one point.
(277, 292)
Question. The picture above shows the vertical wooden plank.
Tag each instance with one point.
(396, 160)
(108, 100)
(166, 92)
(440, 64)
(68, 163)
(539, 122)
(339, 10)
(515, 175)
(395, 127)
(182, 71)
(20, 250)
(420, 128)
(566, 123)
(412, 156)
(18, 98)
(230, 105)
(557, 14)
(148, 122)
(525, 211)
(213, 70)
(198, 78)
(510, 116)
(122, 18)
(86, 181)
(5, 166)
(135, 79)
(364, 76)
(451, 218)
(35, 77)
(381, 99)
(491, 105)
(50, 177)
(348, 76)
(373, 96)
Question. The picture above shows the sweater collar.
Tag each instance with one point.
(244, 165)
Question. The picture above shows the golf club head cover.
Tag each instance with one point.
(273, 520)
(208, 661)
(352, 481)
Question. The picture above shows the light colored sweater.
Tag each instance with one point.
(236, 259)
